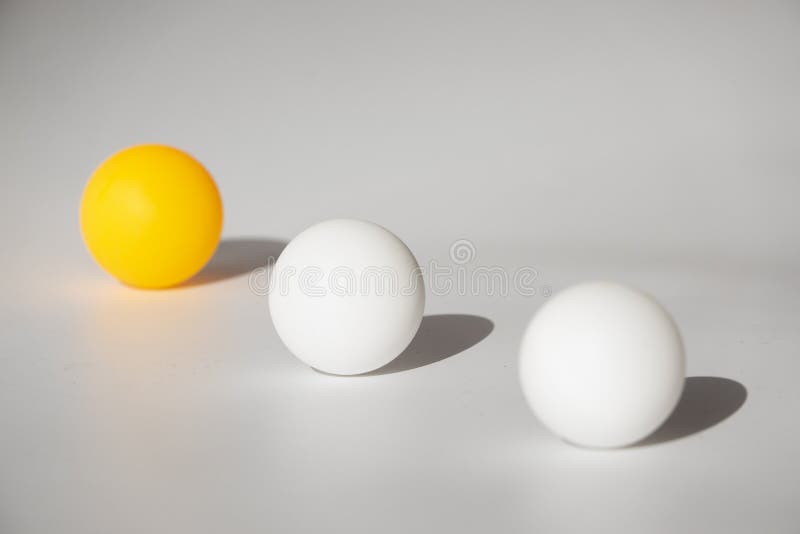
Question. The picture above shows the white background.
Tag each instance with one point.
(652, 143)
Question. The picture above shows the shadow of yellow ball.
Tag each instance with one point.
(151, 216)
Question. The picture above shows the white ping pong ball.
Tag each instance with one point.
(346, 296)
(602, 365)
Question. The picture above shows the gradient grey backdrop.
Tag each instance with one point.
(654, 143)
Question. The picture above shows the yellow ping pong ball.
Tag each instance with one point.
(151, 216)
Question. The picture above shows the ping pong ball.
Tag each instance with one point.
(602, 365)
(346, 296)
(151, 216)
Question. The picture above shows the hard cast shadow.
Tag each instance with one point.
(706, 402)
(235, 257)
(439, 337)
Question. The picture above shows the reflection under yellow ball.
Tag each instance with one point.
(151, 216)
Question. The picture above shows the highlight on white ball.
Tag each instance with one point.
(602, 365)
(346, 296)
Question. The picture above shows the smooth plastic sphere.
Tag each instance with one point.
(346, 296)
(602, 365)
(151, 216)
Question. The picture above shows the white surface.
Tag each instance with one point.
(602, 365)
(346, 296)
(654, 144)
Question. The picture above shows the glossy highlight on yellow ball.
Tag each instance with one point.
(151, 216)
